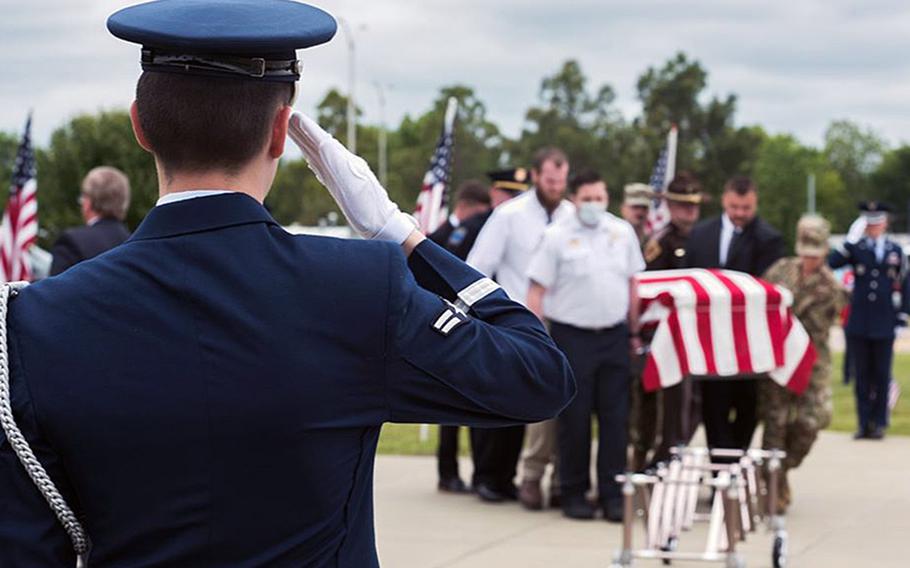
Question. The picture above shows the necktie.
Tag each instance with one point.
(732, 246)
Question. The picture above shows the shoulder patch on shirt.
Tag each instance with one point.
(450, 318)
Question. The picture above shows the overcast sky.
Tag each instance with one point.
(795, 65)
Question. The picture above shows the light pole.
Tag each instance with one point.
(352, 79)
(383, 151)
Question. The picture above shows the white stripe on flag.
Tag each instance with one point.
(761, 351)
(668, 362)
(721, 323)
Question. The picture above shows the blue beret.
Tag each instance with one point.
(254, 39)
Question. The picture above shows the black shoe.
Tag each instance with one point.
(509, 492)
(861, 434)
(488, 494)
(876, 434)
(453, 485)
(613, 510)
(555, 501)
(578, 508)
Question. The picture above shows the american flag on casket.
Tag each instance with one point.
(721, 323)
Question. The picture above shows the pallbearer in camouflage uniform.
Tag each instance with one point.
(792, 422)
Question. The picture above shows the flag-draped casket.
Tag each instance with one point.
(721, 323)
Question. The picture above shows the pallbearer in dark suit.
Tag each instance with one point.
(737, 240)
(211, 392)
(104, 200)
(880, 303)
(472, 198)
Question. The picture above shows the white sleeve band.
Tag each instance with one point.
(477, 291)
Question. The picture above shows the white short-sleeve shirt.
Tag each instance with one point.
(586, 271)
(509, 238)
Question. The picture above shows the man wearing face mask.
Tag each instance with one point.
(737, 240)
(503, 250)
(581, 284)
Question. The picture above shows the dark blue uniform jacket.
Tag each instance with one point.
(210, 393)
(880, 293)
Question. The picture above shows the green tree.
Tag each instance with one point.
(9, 144)
(891, 181)
(478, 144)
(781, 169)
(586, 125)
(709, 143)
(855, 153)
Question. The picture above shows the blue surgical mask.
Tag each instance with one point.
(591, 212)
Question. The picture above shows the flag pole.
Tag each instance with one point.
(671, 155)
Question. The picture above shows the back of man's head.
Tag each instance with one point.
(473, 192)
(108, 192)
(196, 123)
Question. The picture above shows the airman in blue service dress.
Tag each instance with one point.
(879, 304)
(211, 392)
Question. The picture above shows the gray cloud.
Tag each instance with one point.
(795, 65)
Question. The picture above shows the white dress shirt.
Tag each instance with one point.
(727, 229)
(190, 194)
(509, 238)
(586, 271)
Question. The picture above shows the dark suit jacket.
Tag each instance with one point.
(757, 248)
(211, 392)
(83, 243)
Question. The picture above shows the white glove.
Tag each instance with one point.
(362, 199)
(857, 230)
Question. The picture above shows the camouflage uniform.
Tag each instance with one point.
(792, 421)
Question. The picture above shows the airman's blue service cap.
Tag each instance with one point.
(874, 211)
(254, 39)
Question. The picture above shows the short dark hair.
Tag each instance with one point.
(583, 177)
(474, 192)
(740, 185)
(546, 154)
(197, 123)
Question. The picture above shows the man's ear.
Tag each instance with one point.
(279, 132)
(137, 128)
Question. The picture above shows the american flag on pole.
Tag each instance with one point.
(722, 323)
(20, 219)
(432, 203)
(661, 176)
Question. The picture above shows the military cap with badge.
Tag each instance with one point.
(514, 180)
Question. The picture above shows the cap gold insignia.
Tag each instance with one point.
(521, 174)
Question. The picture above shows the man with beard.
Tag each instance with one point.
(504, 249)
(736, 240)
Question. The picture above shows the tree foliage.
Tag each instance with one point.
(570, 112)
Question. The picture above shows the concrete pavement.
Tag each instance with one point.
(851, 509)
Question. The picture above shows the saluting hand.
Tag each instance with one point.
(362, 199)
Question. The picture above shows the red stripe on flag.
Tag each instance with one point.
(738, 318)
(650, 377)
(803, 372)
(702, 315)
(775, 321)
